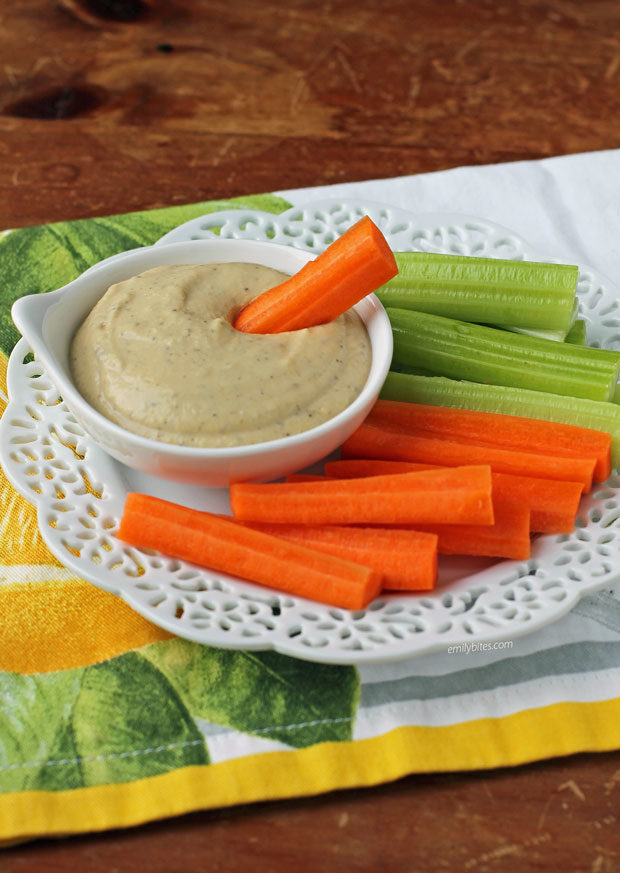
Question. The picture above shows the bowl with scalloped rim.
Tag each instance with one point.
(49, 321)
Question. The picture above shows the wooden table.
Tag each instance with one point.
(112, 105)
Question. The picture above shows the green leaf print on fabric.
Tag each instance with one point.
(262, 693)
(35, 729)
(135, 715)
(112, 722)
(45, 257)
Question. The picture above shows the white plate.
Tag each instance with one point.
(79, 493)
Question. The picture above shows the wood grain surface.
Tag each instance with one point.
(557, 816)
(112, 105)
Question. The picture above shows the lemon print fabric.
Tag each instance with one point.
(95, 694)
(34, 260)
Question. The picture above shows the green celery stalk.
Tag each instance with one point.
(439, 391)
(478, 353)
(416, 371)
(557, 336)
(507, 293)
(577, 334)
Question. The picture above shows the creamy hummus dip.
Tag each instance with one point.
(159, 356)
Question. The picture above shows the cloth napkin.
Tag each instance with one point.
(108, 721)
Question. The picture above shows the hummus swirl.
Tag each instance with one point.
(159, 356)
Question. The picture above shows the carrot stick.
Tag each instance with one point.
(462, 495)
(352, 468)
(406, 559)
(507, 537)
(505, 431)
(374, 441)
(355, 264)
(553, 504)
(212, 541)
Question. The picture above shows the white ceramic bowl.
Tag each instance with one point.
(49, 321)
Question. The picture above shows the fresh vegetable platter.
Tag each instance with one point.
(80, 492)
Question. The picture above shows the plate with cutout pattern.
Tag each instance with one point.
(79, 492)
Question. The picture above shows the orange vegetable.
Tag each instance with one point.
(507, 537)
(351, 468)
(374, 441)
(493, 429)
(222, 544)
(406, 559)
(461, 494)
(553, 504)
(355, 264)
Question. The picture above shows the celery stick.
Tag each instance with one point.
(478, 353)
(414, 371)
(577, 333)
(438, 391)
(557, 336)
(489, 290)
